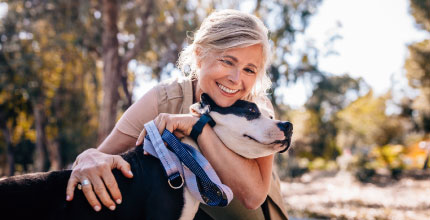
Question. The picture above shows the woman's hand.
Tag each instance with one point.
(96, 167)
(179, 124)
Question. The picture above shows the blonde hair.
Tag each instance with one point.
(225, 30)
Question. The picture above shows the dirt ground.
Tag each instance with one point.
(341, 196)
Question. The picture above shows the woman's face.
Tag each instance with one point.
(230, 75)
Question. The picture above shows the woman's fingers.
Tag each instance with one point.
(101, 192)
(141, 137)
(160, 122)
(109, 181)
(179, 134)
(87, 189)
(121, 164)
(112, 186)
(72, 183)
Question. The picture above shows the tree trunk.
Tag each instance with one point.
(114, 66)
(111, 69)
(40, 156)
(54, 154)
(10, 152)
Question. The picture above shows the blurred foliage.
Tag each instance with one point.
(343, 115)
(420, 9)
(52, 69)
(52, 73)
(417, 65)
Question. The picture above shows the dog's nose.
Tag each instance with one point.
(286, 127)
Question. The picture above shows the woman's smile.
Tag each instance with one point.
(225, 89)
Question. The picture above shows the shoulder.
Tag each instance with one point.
(174, 95)
(173, 88)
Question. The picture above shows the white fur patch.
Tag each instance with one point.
(231, 130)
(191, 206)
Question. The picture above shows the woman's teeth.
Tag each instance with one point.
(227, 90)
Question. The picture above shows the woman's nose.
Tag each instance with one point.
(234, 76)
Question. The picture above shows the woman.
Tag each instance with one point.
(227, 60)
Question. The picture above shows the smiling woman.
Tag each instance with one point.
(227, 60)
(230, 75)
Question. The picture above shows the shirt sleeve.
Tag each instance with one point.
(134, 118)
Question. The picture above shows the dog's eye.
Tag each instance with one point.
(251, 109)
(271, 117)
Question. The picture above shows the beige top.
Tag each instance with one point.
(175, 96)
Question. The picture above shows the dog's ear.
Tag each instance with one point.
(198, 109)
(195, 109)
(203, 106)
(206, 100)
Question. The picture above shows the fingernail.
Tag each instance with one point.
(137, 143)
(97, 208)
(67, 197)
(118, 201)
(129, 172)
(112, 207)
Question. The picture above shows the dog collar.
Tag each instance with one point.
(198, 126)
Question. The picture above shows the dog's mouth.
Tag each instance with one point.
(285, 142)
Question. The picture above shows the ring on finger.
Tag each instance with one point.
(85, 182)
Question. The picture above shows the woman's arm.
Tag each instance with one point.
(248, 178)
(117, 143)
(96, 165)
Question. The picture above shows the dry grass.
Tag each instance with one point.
(341, 196)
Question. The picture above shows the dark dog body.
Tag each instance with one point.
(42, 195)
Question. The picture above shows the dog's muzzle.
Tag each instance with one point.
(287, 128)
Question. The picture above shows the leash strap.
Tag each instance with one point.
(200, 178)
(162, 153)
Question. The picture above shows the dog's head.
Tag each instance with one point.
(245, 128)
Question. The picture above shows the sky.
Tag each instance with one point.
(373, 44)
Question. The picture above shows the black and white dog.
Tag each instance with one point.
(245, 128)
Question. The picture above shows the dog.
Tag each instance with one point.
(245, 128)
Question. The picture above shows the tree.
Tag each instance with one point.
(363, 123)
(330, 95)
(418, 73)
(60, 59)
(40, 53)
(417, 64)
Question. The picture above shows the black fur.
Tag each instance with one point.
(43, 195)
(241, 108)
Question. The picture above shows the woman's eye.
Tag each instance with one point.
(227, 62)
(249, 71)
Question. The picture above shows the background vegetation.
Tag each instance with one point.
(66, 77)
